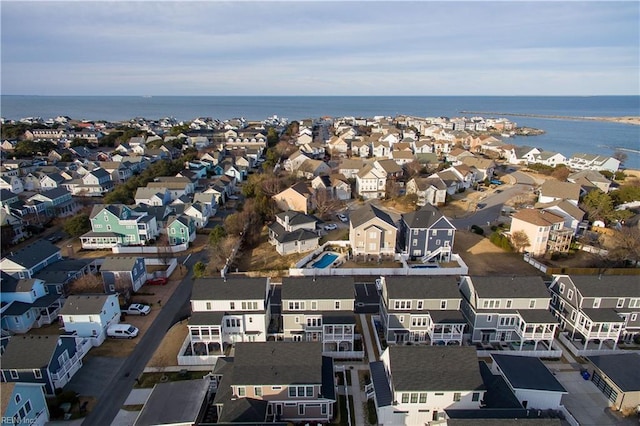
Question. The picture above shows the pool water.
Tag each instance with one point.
(326, 260)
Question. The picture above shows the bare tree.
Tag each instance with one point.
(520, 240)
(88, 283)
(326, 202)
(626, 246)
(413, 169)
(225, 249)
(165, 251)
(620, 156)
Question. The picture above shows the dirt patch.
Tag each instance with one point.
(167, 353)
(484, 258)
(115, 348)
(264, 257)
(149, 380)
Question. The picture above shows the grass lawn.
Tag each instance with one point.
(149, 380)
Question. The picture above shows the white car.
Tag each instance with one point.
(137, 309)
(330, 227)
(343, 218)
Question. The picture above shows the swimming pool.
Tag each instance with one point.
(326, 260)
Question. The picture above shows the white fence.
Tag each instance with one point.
(307, 258)
(568, 416)
(537, 354)
(151, 249)
(344, 354)
(568, 343)
(592, 249)
(171, 266)
(530, 260)
(195, 359)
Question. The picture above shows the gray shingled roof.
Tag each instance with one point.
(434, 368)
(174, 402)
(277, 363)
(623, 369)
(84, 304)
(244, 410)
(525, 372)
(34, 253)
(119, 263)
(24, 352)
(557, 189)
(605, 285)
(244, 288)
(426, 217)
(423, 287)
(332, 288)
(368, 212)
(510, 286)
(296, 218)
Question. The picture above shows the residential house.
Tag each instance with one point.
(181, 229)
(208, 200)
(95, 183)
(123, 274)
(380, 149)
(334, 186)
(51, 180)
(199, 212)
(589, 180)
(152, 196)
(115, 224)
(118, 170)
(11, 183)
(572, 214)
(457, 154)
(545, 231)
(618, 378)
(50, 360)
(521, 154)
(279, 381)
(548, 158)
(177, 185)
(294, 232)
(372, 232)
(431, 190)
(421, 310)
(426, 234)
(552, 190)
(56, 202)
(27, 261)
(599, 163)
(338, 146)
(227, 311)
(23, 403)
(371, 183)
(89, 316)
(349, 168)
(415, 385)
(31, 181)
(13, 227)
(321, 310)
(530, 380)
(508, 311)
(596, 308)
(312, 168)
(295, 160)
(299, 197)
(7, 198)
(361, 149)
(390, 167)
(482, 168)
(27, 304)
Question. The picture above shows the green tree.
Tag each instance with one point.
(598, 205)
(626, 193)
(176, 130)
(199, 269)
(79, 142)
(77, 225)
(66, 157)
(216, 235)
(272, 137)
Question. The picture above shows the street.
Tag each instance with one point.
(116, 391)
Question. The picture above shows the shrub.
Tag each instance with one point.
(477, 230)
(501, 241)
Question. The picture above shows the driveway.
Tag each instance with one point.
(586, 403)
(95, 373)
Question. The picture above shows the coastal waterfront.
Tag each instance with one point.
(567, 136)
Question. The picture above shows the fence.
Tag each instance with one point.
(209, 360)
(568, 343)
(568, 416)
(549, 270)
(151, 249)
(171, 266)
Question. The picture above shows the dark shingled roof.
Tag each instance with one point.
(244, 288)
(525, 372)
(602, 315)
(84, 305)
(244, 410)
(332, 288)
(537, 316)
(277, 363)
(25, 352)
(34, 253)
(432, 287)
(296, 218)
(516, 287)
(447, 317)
(368, 212)
(174, 402)
(622, 369)
(426, 217)
(434, 368)
(605, 285)
(283, 236)
(206, 318)
(381, 387)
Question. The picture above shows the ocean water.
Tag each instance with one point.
(565, 136)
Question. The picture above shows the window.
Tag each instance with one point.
(309, 391)
(292, 391)
(414, 398)
(419, 322)
(596, 302)
(570, 294)
(297, 320)
(337, 306)
(509, 302)
(301, 409)
(18, 398)
(257, 391)
(489, 318)
(561, 288)
(323, 409)
(208, 306)
(276, 387)
(475, 396)
(634, 317)
(27, 406)
(634, 303)
(296, 306)
(402, 304)
(490, 303)
(415, 242)
(300, 390)
(443, 304)
(37, 373)
(434, 232)
(457, 396)
(232, 305)
(314, 305)
(108, 227)
(420, 302)
(415, 232)
(620, 303)
(173, 230)
(532, 303)
(401, 318)
(423, 398)
(14, 374)
(439, 393)
(405, 398)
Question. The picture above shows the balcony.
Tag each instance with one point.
(536, 331)
(69, 367)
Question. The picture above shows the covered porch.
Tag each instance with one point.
(537, 326)
(598, 324)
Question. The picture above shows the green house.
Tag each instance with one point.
(117, 224)
(181, 229)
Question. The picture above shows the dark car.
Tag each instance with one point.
(54, 238)
(481, 205)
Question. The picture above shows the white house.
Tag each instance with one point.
(90, 315)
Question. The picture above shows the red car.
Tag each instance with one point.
(157, 281)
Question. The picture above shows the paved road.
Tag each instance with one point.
(116, 391)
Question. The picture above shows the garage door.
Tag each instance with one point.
(604, 387)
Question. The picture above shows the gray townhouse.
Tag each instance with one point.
(508, 310)
(597, 308)
(26, 262)
(421, 310)
(426, 234)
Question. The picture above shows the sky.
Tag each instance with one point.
(459, 48)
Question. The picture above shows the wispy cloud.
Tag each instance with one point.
(320, 48)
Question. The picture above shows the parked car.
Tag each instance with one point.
(122, 331)
(496, 182)
(343, 218)
(137, 309)
(481, 206)
(498, 191)
(330, 227)
(54, 238)
(157, 281)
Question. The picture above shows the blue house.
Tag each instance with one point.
(48, 360)
(23, 403)
(123, 273)
(24, 263)
(27, 304)
(426, 234)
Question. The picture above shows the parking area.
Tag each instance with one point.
(585, 402)
(367, 298)
(95, 373)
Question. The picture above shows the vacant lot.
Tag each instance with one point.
(264, 257)
(167, 353)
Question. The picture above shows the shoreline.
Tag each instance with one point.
(633, 120)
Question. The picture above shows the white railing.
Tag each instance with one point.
(66, 367)
(344, 354)
(150, 249)
(568, 416)
(575, 351)
(536, 354)
(334, 337)
(195, 359)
